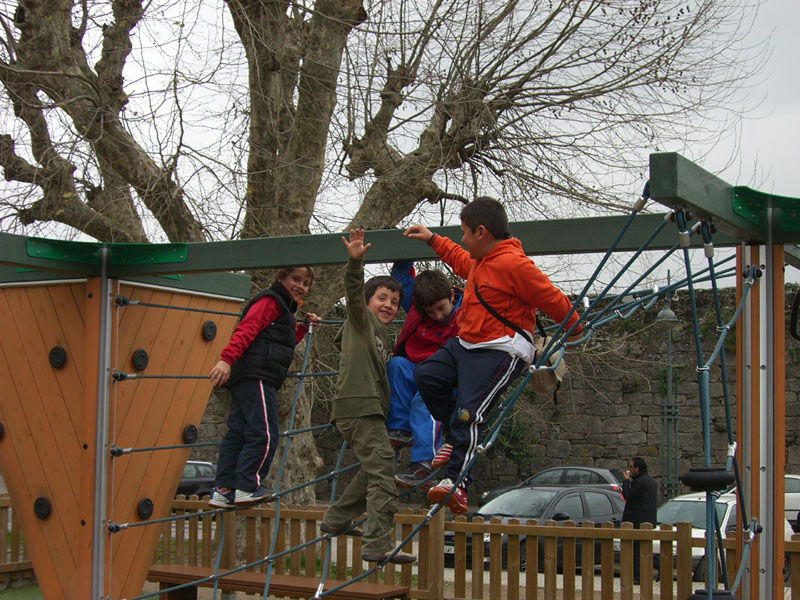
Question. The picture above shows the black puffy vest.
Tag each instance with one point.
(271, 352)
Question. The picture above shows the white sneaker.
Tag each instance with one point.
(243, 498)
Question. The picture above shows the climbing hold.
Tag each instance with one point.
(41, 507)
(209, 330)
(190, 434)
(145, 508)
(57, 357)
(140, 360)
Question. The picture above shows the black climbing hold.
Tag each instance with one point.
(707, 479)
(209, 330)
(57, 357)
(140, 360)
(2, 431)
(190, 434)
(145, 508)
(41, 507)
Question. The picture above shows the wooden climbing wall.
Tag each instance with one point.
(48, 416)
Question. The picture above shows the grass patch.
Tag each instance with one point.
(29, 592)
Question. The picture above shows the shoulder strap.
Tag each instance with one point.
(503, 320)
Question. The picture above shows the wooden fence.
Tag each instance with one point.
(194, 541)
(501, 575)
(14, 562)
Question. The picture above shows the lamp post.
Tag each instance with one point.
(670, 485)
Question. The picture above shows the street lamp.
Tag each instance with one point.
(667, 321)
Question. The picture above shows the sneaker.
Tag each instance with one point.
(417, 473)
(442, 456)
(399, 438)
(243, 498)
(222, 498)
(457, 503)
(397, 559)
(346, 530)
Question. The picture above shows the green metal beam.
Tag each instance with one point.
(562, 236)
(20, 251)
(742, 213)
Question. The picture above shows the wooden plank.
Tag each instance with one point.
(293, 586)
(568, 563)
(666, 572)
(20, 461)
(513, 563)
(45, 405)
(193, 540)
(646, 565)
(71, 320)
(460, 560)
(532, 568)
(310, 532)
(626, 563)
(607, 565)
(294, 542)
(587, 562)
(550, 563)
(178, 345)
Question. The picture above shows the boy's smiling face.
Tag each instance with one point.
(384, 303)
(440, 310)
(297, 282)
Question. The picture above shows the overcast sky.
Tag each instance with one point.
(767, 155)
(769, 152)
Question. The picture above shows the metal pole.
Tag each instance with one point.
(766, 391)
(99, 533)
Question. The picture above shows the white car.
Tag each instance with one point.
(791, 501)
(692, 508)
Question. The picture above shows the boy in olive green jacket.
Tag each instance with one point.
(360, 407)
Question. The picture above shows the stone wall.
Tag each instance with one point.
(609, 407)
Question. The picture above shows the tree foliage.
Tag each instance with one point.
(131, 121)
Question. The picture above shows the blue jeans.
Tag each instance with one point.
(408, 412)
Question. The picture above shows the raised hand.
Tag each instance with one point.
(419, 232)
(355, 246)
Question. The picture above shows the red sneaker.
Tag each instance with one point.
(457, 502)
(442, 456)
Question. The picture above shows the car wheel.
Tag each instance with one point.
(523, 557)
(700, 572)
(787, 568)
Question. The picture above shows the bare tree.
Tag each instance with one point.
(136, 121)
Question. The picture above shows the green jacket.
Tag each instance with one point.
(365, 345)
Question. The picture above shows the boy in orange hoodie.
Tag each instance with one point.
(461, 382)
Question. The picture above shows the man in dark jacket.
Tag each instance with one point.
(641, 502)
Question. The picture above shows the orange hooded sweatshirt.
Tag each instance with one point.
(510, 283)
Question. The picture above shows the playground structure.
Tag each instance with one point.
(74, 337)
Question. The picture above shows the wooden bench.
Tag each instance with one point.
(253, 583)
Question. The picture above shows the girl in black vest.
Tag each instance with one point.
(253, 365)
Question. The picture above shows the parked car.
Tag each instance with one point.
(198, 478)
(792, 500)
(692, 508)
(578, 504)
(568, 475)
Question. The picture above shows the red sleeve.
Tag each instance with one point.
(300, 332)
(258, 318)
